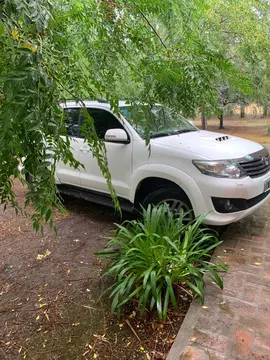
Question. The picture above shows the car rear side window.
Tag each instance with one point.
(103, 121)
(71, 117)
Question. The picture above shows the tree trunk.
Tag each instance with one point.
(221, 119)
(242, 113)
(204, 121)
(265, 110)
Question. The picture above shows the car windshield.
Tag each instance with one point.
(156, 122)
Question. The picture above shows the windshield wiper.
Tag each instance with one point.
(168, 133)
(160, 135)
(183, 131)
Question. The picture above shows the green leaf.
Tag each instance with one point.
(2, 29)
(166, 303)
(48, 215)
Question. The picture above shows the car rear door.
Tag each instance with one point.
(65, 173)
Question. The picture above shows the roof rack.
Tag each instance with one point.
(100, 100)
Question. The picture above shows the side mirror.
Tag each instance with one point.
(117, 136)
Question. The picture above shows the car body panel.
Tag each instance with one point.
(171, 158)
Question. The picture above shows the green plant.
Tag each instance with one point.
(149, 258)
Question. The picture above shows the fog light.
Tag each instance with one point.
(228, 205)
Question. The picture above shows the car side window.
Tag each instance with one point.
(103, 121)
(71, 117)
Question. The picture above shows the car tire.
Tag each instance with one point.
(174, 197)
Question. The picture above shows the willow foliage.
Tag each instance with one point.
(146, 51)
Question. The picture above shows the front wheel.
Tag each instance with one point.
(175, 198)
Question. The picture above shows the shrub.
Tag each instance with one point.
(150, 257)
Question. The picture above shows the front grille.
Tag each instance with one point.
(258, 165)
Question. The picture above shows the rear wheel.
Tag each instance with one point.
(176, 199)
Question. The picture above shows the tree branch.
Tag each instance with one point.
(152, 27)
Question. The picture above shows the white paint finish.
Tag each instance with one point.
(116, 135)
(119, 160)
(170, 158)
(205, 146)
(65, 174)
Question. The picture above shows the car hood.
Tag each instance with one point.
(211, 145)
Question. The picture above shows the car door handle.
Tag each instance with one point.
(84, 150)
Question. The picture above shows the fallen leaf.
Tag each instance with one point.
(20, 349)
(47, 316)
(142, 348)
(37, 318)
(76, 240)
(76, 324)
(257, 263)
(68, 271)
(225, 251)
(95, 356)
(132, 315)
(42, 305)
(205, 307)
(47, 253)
(120, 325)
(86, 352)
(88, 307)
(128, 343)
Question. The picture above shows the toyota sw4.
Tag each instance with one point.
(195, 171)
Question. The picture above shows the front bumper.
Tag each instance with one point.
(205, 188)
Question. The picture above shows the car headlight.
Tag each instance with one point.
(220, 168)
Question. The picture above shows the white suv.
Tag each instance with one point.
(202, 172)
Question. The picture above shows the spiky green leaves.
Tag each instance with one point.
(149, 258)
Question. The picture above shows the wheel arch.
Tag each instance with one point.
(150, 184)
(164, 174)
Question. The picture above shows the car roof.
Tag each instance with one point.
(91, 103)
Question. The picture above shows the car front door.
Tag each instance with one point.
(118, 154)
(66, 173)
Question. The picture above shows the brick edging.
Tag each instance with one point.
(182, 339)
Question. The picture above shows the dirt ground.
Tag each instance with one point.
(49, 291)
(50, 286)
(252, 127)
